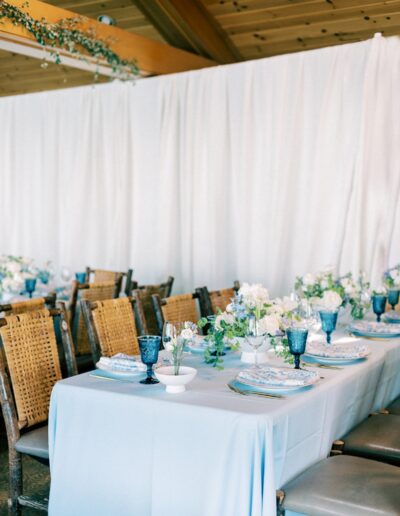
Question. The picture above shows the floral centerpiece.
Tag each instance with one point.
(178, 337)
(357, 294)
(251, 301)
(314, 286)
(14, 270)
(391, 277)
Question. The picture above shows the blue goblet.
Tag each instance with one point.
(149, 346)
(297, 339)
(30, 285)
(379, 305)
(328, 323)
(393, 297)
(80, 277)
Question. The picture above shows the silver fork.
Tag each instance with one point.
(256, 393)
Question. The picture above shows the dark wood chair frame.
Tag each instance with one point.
(206, 309)
(49, 301)
(128, 281)
(87, 311)
(158, 303)
(16, 498)
(167, 285)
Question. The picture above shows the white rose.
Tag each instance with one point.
(330, 301)
(308, 279)
(286, 304)
(394, 274)
(13, 267)
(227, 318)
(380, 290)
(229, 308)
(269, 324)
(397, 281)
(187, 334)
(255, 295)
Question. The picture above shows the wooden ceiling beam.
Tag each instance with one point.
(188, 25)
(152, 57)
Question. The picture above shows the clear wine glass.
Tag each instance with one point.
(254, 338)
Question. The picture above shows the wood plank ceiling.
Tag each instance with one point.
(224, 30)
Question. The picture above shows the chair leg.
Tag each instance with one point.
(280, 496)
(15, 482)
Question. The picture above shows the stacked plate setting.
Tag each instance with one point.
(337, 353)
(275, 379)
(375, 330)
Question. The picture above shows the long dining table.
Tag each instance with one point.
(123, 448)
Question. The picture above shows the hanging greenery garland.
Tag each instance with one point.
(68, 36)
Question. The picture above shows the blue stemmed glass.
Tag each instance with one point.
(80, 277)
(149, 346)
(297, 340)
(30, 285)
(328, 323)
(393, 297)
(379, 305)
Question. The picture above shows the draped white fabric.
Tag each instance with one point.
(257, 171)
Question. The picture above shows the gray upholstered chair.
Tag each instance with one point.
(343, 486)
(394, 407)
(376, 438)
(30, 365)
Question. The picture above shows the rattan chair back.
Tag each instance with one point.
(30, 347)
(28, 305)
(176, 309)
(89, 292)
(220, 299)
(100, 275)
(111, 327)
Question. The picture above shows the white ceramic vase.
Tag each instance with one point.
(175, 384)
(247, 355)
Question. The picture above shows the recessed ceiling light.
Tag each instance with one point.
(107, 20)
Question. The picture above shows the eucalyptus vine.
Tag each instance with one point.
(67, 35)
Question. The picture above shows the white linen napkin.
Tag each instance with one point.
(121, 362)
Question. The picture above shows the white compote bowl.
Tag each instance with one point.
(175, 383)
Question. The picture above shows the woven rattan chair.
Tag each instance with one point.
(29, 305)
(113, 326)
(101, 275)
(29, 368)
(217, 300)
(162, 289)
(175, 309)
(89, 292)
(144, 296)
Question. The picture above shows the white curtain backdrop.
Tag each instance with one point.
(257, 171)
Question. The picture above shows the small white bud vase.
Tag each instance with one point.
(175, 383)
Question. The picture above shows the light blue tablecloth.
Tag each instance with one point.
(129, 449)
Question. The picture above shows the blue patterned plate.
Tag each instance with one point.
(277, 378)
(265, 389)
(391, 317)
(375, 330)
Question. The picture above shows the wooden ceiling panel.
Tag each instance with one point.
(21, 74)
(261, 28)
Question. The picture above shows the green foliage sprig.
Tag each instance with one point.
(66, 35)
